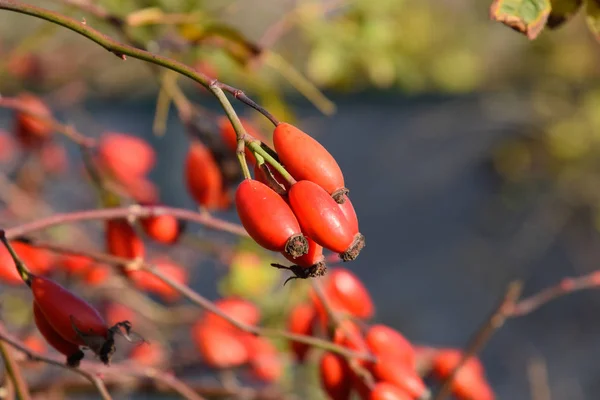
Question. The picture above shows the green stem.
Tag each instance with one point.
(14, 373)
(22, 269)
(121, 50)
(255, 146)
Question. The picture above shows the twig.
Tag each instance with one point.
(484, 333)
(203, 302)
(135, 211)
(14, 373)
(97, 382)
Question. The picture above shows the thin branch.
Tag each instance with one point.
(135, 211)
(203, 302)
(14, 373)
(483, 335)
(97, 382)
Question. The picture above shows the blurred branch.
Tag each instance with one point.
(197, 299)
(135, 211)
(482, 336)
(93, 378)
(13, 371)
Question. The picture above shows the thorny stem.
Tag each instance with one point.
(14, 373)
(22, 270)
(204, 303)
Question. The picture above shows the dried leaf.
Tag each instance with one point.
(526, 16)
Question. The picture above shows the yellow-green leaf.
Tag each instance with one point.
(592, 10)
(526, 16)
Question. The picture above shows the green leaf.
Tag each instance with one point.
(526, 16)
(562, 11)
(592, 10)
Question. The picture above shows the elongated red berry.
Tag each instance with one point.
(387, 391)
(335, 376)
(469, 382)
(239, 309)
(345, 288)
(219, 348)
(32, 130)
(323, 220)
(127, 157)
(69, 349)
(307, 159)
(383, 340)
(122, 241)
(268, 219)
(301, 321)
(164, 229)
(350, 214)
(398, 374)
(204, 179)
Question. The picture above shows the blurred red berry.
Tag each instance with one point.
(385, 341)
(335, 376)
(32, 130)
(301, 321)
(127, 157)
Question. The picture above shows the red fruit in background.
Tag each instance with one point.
(398, 374)
(385, 341)
(469, 382)
(301, 321)
(229, 136)
(97, 274)
(69, 349)
(348, 334)
(38, 260)
(54, 158)
(323, 220)
(144, 280)
(346, 292)
(219, 348)
(117, 312)
(122, 241)
(58, 305)
(240, 310)
(204, 179)
(387, 391)
(162, 228)
(74, 264)
(314, 255)
(268, 219)
(126, 157)
(265, 363)
(142, 190)
(26, 67)
(335, 376)
(32, 131)
(7, 147)
(307, 159)
(148, 354)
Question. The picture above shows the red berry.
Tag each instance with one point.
(69, 349)
(144, 280)
(350, 214)
(469, 383)
(392, 371)
(335, 376)
(345, 290)
(264, 358)
(116, 312)
(39, 261)
(97, 274)
(127, 157)
(348, 334)
(75, 264)
(219, 348)
(204, 179)
(268, 219)
(148, 354)
(301, 321)
(122, 241)
(307, 159)
(162, 228)
(240, 310)
(387, 391)
(32, 131)
(323, 220)
(383, 340)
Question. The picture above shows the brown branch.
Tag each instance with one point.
(135, 211)
(14, 373)
(484, 333)
(93, 378)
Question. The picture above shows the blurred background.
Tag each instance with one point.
(470, 151)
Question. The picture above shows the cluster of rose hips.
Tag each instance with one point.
(66, 321)
(394, 375)
(223, 345)
(301, 216)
